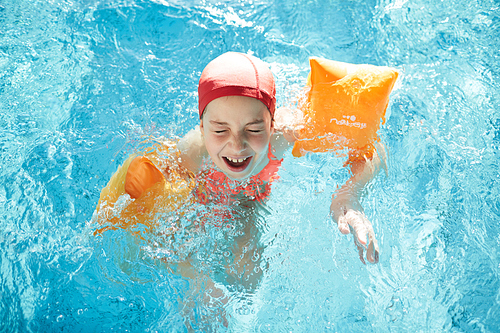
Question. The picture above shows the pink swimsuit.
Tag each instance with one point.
(215, 186)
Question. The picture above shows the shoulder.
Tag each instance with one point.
(287, 125)
(192, 150)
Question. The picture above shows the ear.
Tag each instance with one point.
(201, 126)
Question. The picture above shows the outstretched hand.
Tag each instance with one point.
(351, 219)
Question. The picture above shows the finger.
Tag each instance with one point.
(361, 234)
(372, 254)
(360, 229)
(343, 225)
(360, 251)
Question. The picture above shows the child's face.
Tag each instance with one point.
(237, 131)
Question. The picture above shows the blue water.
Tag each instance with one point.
(85, 83)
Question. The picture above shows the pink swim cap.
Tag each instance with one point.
(237, 74)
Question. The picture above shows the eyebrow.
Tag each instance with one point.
(223, 123)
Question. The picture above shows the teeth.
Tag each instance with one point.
(236, 160)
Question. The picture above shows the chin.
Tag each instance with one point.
(238, 176)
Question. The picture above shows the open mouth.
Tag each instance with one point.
(237, 164)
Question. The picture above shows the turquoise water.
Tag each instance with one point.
(83, 83)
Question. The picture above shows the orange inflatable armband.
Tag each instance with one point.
(345, 106)
(150, 192)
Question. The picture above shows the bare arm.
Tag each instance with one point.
(347, 212)
(142, 173)
(345, 208)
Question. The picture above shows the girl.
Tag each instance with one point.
(237, 149)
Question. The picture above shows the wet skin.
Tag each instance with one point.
(237, 131)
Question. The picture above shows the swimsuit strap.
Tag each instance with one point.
(268, 174)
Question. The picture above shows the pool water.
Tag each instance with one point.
(83, 84)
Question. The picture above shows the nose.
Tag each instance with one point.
(238, 142)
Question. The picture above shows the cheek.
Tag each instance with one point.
(261, 143)
(213, 144)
